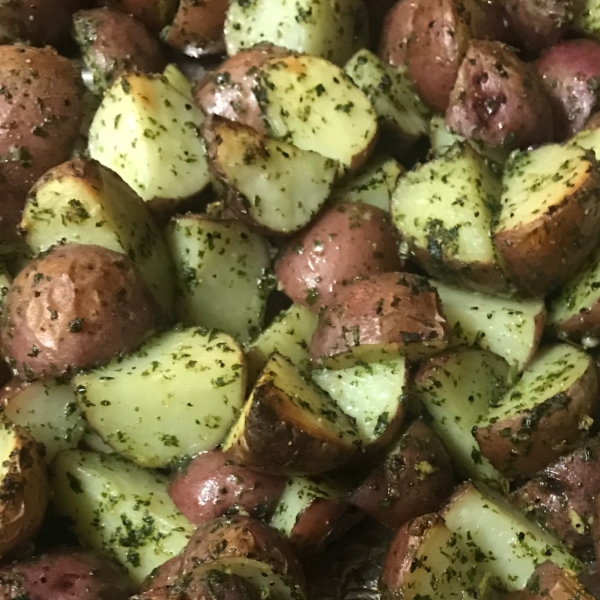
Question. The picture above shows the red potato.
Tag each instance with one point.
(64, 574)
(351, 240)
(164, 576)
(498, 99)
(228, 91)
(570, 72)
(154, 14)
(214, 485)
(397, 29)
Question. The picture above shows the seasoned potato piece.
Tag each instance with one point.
(498, 99)
(457, 389)
(242, 546)
(413, 479)
(141, 527)
(309, 512)
(511, 328)
(443, 212)
(510, 545)
(333, 30)
(74, 307)
(348, 242)
(275, 187)
(380, 317)
(143, 124)
(66, 573)
(23, 485)
(550, 581)
(545, 412)
(587, 18)
(189, 386)
(549, 215)
(562, 497)
(48, 410)
(289, 426)
(397, 29)
(213, 485)
(111, 43)
(82, 202)
(154, 14)
(398, 107)
(312, 104)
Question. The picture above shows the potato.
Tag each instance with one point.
(348, 242)
(74, 307)
(549, 215)
(41, 113)
(228, 90)
(562, 498)
(154, 14)
(243, 546)
(213, 485)
(546, 411)
(413, 479)
(197, 28)
(111, 43)
(66, 573)
(498, 99)
(550, 581)
(397, 29)
(441, 31)
(384, 315)
(570, 71)
(165, 575)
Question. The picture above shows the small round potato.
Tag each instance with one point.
(498, 99)
(229, 90)
(74, 307)
(351, 240)
(213, 485)
(64, 574)
(397, 29)
(570, 72)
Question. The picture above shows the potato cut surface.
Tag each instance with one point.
(147, 131)
(221, 270)
(373, 394)
(312, 104)
(176, 396)
(119, 510)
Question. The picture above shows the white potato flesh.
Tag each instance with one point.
(511, 545)
(49, 411)
(372, 393)
(221, 270)
(119, 510)
(589, 139)
(457, 391)
(147, 131)
(312, 104)
(511, 328)
(328, 29)
(177, 395)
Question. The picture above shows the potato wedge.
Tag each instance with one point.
(332, 30)
(189, 386)
(511, 328)
(141, 527)
(289, 426)
(312, 104)
(545, 412)
(456, 389)
(378, 318)
(82, 202)
(142, 124)
(549, 215)
(273, 186)
(562, 497)
(511, 547)
(413, 479)
(442, 210)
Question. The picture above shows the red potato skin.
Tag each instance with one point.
(214, 484)
(550, 581)
(397, 490)
(148, 12)
(349, 241)
(64, 574)
(397, 29)
(228, 90)
(498, 99)
(570, 72)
